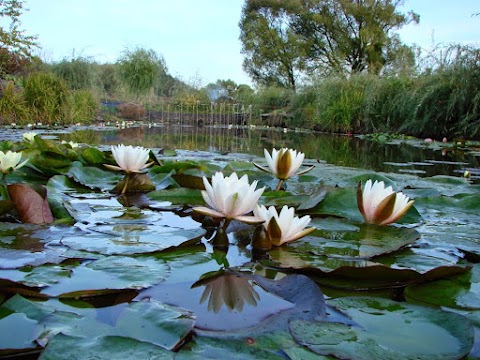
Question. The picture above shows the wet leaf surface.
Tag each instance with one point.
(384, 329)
(106, 278)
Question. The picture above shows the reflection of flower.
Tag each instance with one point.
(130, 159)
(283, 163)
(29, 136)
(10, 161)
(230, 197)
(284, 227)
(380, 205)
(230, 290)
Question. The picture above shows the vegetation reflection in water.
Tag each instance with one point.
(144, 273)
(400, 154)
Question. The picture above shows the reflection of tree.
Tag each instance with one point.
(226, 288)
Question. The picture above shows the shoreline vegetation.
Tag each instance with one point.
(439, 102)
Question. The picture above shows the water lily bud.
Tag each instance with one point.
(260, 239)
(381, 205)
(284, 227)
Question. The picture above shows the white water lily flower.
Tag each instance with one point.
(29, 136)
(71, 143)
(283, 163)
(381, 205)
(230, 198)
(284, 227)
(10, 161)
(130, 159)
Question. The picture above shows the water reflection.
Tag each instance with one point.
(339, 150)
(227, 289)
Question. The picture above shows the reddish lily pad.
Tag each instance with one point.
(32, 207)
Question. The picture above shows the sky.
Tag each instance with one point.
(199, 39)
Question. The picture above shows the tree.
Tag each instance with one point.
(273, 53)
(13, 38)
(350, 36)
(285, 40)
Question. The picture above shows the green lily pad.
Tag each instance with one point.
(93, 156)
(216, 349)
(129, 239)
(384, 329)
(93, 177)
(113, 272)
(366, 242)
(281, 198)
(461, 291)
(18, 331)
(179, 196)
(103, 348)
(342, 202)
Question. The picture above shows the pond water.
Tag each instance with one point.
(142, 275)
(396, 155)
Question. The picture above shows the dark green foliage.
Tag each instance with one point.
(286, 41)
(13, 108)
(46, 94)
(78, 73)
(83, 106)
(140, 69)
(440, 102)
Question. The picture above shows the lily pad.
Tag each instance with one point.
(342, 202)
(384, 329)
(178, 196)
(366, 242)
(129, 239)
(93, 177)
(113, 272)
(18, 331)
(103, 348)
(461, 291)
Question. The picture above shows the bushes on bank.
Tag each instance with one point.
(440, 102)
(44, 97)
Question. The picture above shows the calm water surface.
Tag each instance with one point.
(415, 157)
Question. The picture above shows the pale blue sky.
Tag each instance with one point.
(199, 38)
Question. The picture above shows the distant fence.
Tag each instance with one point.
(198, 114)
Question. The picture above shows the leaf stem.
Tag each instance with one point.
(279, 186)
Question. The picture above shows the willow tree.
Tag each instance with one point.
(284, 40)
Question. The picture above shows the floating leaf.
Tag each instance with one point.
(93, 177)
(281, 198)
(384, 329)
(131, 239)
(30, 205)
(18, 332)
(113, 272)
(178, 196)
(103, 348)
(461, 291)
(343, 202)
(216, 349)
(365, 242)
(93, 156)
(136, 182)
